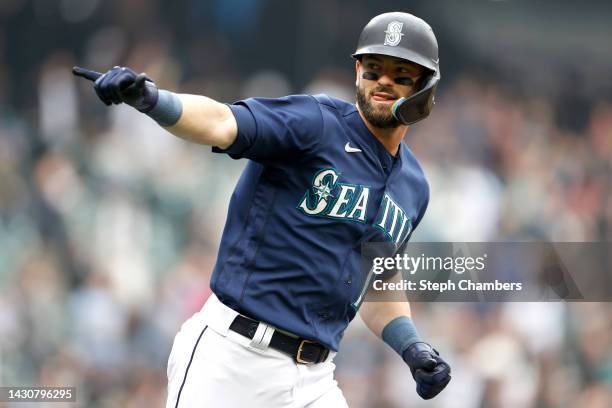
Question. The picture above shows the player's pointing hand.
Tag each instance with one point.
(122, 85)
(429, 370)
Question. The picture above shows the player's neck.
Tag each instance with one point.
(389, 138)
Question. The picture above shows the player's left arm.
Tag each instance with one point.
(391, 321)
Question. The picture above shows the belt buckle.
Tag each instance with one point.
(298, 356)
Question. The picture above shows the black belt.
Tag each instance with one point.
(303, 351)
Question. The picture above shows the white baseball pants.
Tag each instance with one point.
(212, 366)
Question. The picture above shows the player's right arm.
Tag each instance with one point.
(192, 117)
(267, 131)
(206, 121)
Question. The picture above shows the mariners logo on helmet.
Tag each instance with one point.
(394, 33)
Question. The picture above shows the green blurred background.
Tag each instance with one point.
(109, 226)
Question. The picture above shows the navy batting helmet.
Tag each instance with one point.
(408, 37)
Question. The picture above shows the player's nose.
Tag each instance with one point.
(385, 79)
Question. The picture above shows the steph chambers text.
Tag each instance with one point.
(464, 285)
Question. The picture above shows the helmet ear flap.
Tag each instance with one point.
(418, 106)
(422, 82)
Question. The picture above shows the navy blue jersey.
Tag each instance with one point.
(318, 184)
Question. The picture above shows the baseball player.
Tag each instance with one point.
(323, 177)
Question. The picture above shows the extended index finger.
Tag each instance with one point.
(86, 73)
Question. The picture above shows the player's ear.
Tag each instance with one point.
(357, 67)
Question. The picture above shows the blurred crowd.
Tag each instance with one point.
(109, 226)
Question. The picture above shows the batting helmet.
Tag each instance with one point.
(408, 37)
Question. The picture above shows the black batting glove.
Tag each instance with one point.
(122, 85)
(429, 370)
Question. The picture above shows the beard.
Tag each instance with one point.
(379, 116)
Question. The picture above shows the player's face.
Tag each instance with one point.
(381, 80)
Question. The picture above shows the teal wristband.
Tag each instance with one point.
(168, 109)
(400, 333)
